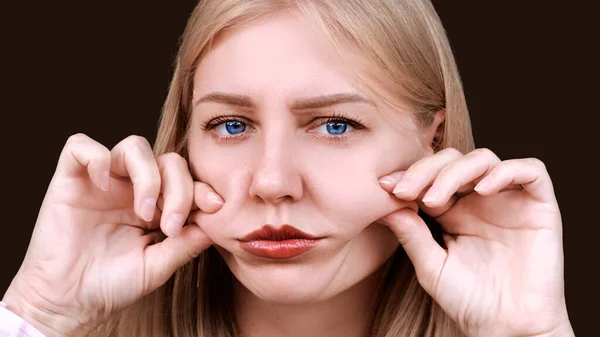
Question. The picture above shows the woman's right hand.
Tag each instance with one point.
(93, 250)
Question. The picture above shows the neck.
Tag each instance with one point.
(347, 314)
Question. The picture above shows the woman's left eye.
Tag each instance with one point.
(335, 127)
(231, 127)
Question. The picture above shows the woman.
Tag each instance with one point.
(313, 175)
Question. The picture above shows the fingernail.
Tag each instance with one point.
(148, 207)
(431, 195)
(174, 222)
(214, 197)
(386, 180)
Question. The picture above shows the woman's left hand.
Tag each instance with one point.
(501, 272)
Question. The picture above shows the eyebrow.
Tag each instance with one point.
(301, 104)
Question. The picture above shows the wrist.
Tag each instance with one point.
(562, 330)
(44, 318)
(557, 326)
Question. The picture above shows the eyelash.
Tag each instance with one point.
(215, 121)
(355, 123)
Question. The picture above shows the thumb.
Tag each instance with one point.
(164, 258)
(427, 256)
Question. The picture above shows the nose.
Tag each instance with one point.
(276, 178)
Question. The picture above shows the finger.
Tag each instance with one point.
(82, 153)
(133, 158)
(164, 258)
(177, 192)
(422, 173)
(458, 174)
(427, 256)
(530, 173)
(129, 217)
(206, 199)
(389, 182)
(438, 211)
(204, 195)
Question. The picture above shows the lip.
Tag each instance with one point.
(278, 243)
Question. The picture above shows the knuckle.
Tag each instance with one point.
(102, 153)
(486, 156)
(484, 152)
(138, 141)
(451, 151)
(173, 158)
(77, 138)
(536, 163)
(81, 142)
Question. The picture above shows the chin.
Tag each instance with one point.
(291, 282)
(291, 294)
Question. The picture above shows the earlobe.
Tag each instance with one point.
(435, 132)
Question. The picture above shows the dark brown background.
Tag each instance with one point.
(103, 68)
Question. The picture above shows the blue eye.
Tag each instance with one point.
(231, 128)
(335, 128)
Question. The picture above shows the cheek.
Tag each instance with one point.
(227, 171)
(346, 189)
(224, 169)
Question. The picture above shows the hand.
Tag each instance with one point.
(501, 272)
(93, 250)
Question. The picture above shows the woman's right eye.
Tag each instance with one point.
(231, 127)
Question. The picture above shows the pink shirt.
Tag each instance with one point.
(12, 325)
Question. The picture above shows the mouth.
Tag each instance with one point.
(278, 243)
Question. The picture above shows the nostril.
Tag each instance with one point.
(275, 200)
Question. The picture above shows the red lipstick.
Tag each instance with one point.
(278, 243)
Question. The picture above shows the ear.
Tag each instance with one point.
(434, 133)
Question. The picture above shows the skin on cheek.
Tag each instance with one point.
(215, 165)
(347, 190)
(362, 203)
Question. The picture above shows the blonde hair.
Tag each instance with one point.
(406, 40)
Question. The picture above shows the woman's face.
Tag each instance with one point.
(286, 133)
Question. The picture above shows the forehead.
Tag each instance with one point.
(281, 59)
(278, 55)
